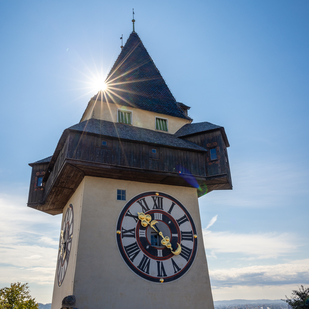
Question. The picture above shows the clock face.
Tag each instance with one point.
(65, 244)
(156, 237)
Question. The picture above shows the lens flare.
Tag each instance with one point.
(190, 179)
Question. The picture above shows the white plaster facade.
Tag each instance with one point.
(140, 118)
(97, 274)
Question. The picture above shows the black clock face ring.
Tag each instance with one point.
(65, 244)
(156, 237)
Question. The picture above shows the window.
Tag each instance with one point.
(104, 143)
(154, 153)
(155, 239)
(124, 117)
(39, 182)
(121, 195)
(213, 154)
(161, 124)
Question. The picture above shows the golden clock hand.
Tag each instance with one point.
(178, 250)
(145, 219)
(152, 223)
(166, 242)
(61, 243)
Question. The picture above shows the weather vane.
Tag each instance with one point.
(133, 21)
(121, 41)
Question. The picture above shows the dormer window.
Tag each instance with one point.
(124, 117)
(184, 108)
(161, 124)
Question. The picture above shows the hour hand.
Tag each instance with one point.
(152, 225)
(145, 219)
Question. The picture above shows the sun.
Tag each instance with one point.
(99, 85)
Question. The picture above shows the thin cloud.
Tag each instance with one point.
(37, 275)
(28, 256)
(27, 253)
(261, 245)
(211, 222)
(252, 292)
(295, 272)
(49, 241)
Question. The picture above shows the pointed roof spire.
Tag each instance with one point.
(135, 81)
(133, 21)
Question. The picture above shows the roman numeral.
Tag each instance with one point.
(58, 268)
(157, 216)
(144, 264)
(158, 202)
(65, 264)
(182, 220)
(143, 204)
(128, 233)
(171, 208)
(187, 236)
(185, 252)
(175, 266)
(135, 217)
(159, 253)
(61, 275)
(132, 250)
(142, 233)
(161, 270)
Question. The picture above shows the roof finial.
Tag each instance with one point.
(133, 21)
(121, 41)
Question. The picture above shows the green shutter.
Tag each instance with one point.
(124, 117)
(161, 124)
(164, 125)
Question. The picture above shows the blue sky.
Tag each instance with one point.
(238, 63)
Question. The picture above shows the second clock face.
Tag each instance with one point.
(65, 244)
(156, 237)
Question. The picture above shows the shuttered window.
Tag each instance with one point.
(161, 124)
(124, 117)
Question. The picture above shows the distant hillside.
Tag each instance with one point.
(46, 306)
(250, 304)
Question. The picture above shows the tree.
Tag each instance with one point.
(17, 297)
(299, 298)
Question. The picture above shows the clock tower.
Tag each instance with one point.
(126, 180)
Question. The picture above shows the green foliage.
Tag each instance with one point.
(299, 298)
(17, 297)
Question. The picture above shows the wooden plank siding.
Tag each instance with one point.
(88, 154)
(135, 155)
(36, 195)
(209, 140)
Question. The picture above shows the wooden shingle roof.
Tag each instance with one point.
(127, 132)
(200, 127)
(135, 81)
